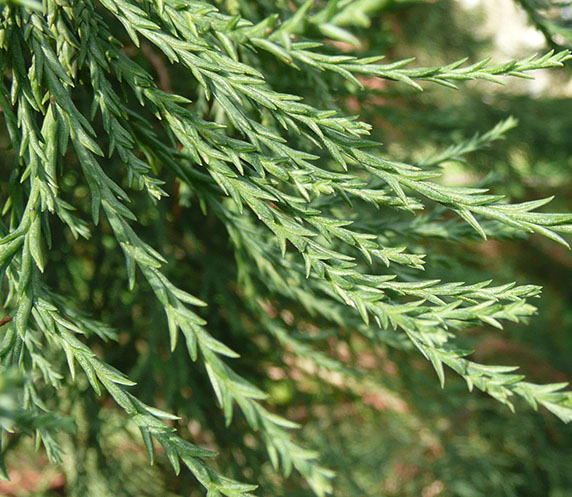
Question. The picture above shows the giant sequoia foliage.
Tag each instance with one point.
(203, 250)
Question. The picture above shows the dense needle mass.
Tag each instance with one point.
(192, 213)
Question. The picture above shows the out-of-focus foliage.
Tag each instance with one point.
(553, 18)
(201, 253)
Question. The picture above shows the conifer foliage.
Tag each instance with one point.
(186, 207)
